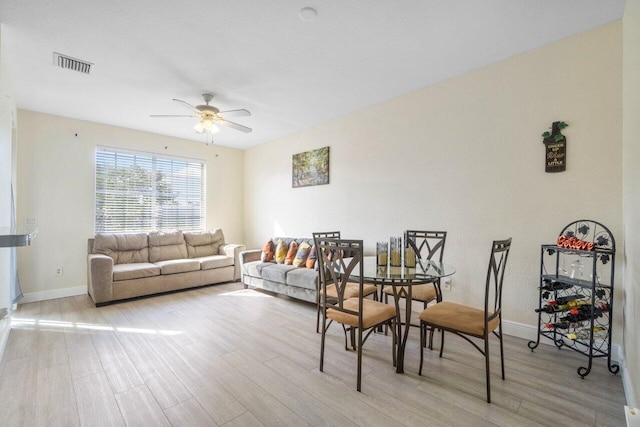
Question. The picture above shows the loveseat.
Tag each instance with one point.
(297, 282)
(123, 266)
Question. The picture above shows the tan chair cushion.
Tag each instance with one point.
(425, 293)
(374, 313)
(351, 290)
(450, 315)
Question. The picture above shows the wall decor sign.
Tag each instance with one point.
(556, 148)
(310, 168)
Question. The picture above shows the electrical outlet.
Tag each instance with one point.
(59, 271)
(446, 284)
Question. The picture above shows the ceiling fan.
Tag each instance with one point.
(210, 116)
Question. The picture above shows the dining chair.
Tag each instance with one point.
(466, 321)
(341, 261)
(428, 245)
(352, 289)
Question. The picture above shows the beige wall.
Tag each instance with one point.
(56, 188)
(465, 156)
(631, 192)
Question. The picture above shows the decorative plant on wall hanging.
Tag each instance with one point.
(556, 148)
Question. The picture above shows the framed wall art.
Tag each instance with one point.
(310, 168)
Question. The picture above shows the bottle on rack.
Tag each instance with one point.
(582, 334)
(558, 325)
(580, 316)
(566, 299)
(553, 308)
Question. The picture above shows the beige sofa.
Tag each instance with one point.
(123, 266)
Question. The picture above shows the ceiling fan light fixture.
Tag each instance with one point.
(213, 129)
(206, 125)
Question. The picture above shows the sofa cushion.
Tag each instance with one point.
(276, 272)
(173, 266)
(203, 244)
(312, 258)
(291, 254)
(134, 271)
(214, 261)
(281, 251)
(268, 251)
(254, 268)
(260, 265)
(165, 246)
(302, 278)
(302, 255)
(123, 248)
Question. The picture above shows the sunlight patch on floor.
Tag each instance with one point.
(246, 293)
(25, 323)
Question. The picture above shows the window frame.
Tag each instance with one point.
(150, 177)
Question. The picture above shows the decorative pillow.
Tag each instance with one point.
(268, 252)
(311, 259)
(281, 251)
(293, 250)
(206, 243)
(302, 255)
(165, 246)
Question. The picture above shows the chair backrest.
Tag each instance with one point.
(495, 276)
(427, 244)
(339, 259)
(325, 234)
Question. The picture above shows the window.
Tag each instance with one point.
(138, 191)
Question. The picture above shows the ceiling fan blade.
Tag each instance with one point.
(233, 125)
(236, 113)
(172, 115)
(186, 104)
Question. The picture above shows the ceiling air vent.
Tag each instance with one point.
(64, 61)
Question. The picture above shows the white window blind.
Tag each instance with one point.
(138, 191)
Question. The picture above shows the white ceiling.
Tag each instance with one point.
(260, 55)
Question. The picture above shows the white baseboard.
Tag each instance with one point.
(5, 329)
(629, 392)
(53, 294)
(520, 330)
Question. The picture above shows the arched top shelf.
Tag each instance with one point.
(591, 231)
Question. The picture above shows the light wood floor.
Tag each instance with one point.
(225, 356)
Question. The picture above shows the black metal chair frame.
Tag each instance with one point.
(339, 259)
(316, 236)
(431, 244)
(495, 276)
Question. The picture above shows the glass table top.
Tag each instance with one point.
(423, 271)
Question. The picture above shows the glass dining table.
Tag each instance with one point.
(401, 280)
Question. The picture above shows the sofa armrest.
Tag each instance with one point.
(234, 251)
(250, 256)
(100, 275)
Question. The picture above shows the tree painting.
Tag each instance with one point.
(311, 168)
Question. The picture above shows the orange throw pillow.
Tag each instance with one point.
(268, 252)
(311, 259)
(293, 250)
(281, 251)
